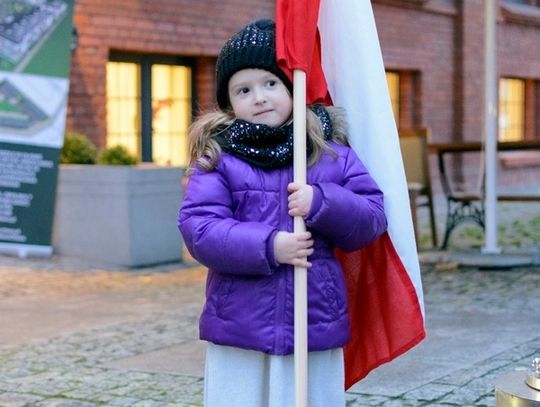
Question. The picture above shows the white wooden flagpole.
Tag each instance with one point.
(490, 126)
(300, 273)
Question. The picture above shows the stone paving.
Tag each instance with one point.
(492, 327)
(80, 335)
(70, 369)
(76, 367)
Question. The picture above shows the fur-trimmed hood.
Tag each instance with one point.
(339, 124)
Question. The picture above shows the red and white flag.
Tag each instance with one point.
(336, 44)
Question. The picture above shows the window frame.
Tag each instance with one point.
(145, 62)
(409, 97)
(523, 106)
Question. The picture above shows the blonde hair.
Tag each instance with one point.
(205, 150)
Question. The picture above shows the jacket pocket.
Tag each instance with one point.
(328, 294)
(223, 292)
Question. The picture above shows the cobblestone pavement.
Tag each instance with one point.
(80, 335)
(66, 328)
(69, 369)
(492, 326)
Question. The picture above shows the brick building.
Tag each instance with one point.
(143, 69)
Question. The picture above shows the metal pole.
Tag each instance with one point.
(490, 126)
(300, 273)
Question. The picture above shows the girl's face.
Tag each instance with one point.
(259, 96)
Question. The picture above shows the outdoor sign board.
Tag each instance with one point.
(35, 51)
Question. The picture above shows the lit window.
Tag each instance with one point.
(149, 109)
(171, 114)
(392, 79)
(511, 109)
(123, 106)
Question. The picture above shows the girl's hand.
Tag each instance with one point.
(293, 248)
(300, 199)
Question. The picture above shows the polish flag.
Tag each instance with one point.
(336, 44)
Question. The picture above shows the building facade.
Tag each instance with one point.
(141, 71)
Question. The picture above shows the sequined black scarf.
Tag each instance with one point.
(265, 146)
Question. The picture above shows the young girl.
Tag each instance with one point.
(237, 219)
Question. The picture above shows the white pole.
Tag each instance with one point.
(300, 273)
(490, 126)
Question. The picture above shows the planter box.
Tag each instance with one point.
(122, 215)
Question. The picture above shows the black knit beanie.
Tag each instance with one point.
(252, 47)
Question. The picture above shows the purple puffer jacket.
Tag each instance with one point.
(229, 218)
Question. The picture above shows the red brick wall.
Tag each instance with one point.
(470, 60)
(204, 83)
(440, 41)
(519, 50)
(423, 42)
(164, 27)
(519, 53)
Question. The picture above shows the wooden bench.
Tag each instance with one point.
(464, 206)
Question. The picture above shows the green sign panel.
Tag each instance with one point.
(35, 51)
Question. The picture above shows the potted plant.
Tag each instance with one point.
(111, 209)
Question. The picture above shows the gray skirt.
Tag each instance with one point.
(236, 377)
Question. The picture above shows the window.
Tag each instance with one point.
(171, 114)
(511, 109)
(392, 79)
(405, 96)
(123, 105)
(149, 107)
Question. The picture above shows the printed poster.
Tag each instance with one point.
(35, 50)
